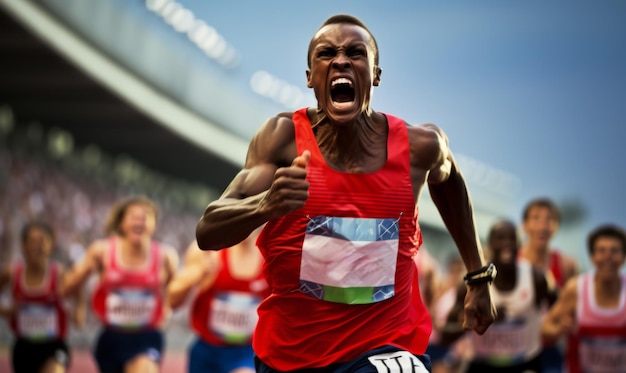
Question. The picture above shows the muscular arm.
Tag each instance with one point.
(170, 264)
(570, 267)
(455, 207)
(78, 309)
(271, 184)
(79, 314)
(561, 317)
(5, 278)
(196, 268)
(430, 151)
(75, 278)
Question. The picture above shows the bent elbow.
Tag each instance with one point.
(203, 239)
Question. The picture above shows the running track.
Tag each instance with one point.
(173, 362)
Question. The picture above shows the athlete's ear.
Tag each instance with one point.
(308, 78)
(377, 73)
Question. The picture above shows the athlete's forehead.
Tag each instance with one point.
(335, 31)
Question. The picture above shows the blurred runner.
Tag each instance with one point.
(38, 316)
(229, 286)
(133, 272)
(591, 309)
(513, 343)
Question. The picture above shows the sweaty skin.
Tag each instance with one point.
(353, 139)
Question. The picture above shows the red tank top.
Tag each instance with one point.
(40, 314)
(225, 313)
(599, 341)
(556, 267)
(129, 298)
(341, 268)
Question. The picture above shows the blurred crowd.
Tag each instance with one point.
(75, 203)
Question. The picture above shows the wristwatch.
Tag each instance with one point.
(485, 274)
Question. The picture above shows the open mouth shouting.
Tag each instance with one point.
(342, 92)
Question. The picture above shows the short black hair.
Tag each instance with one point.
(541, 202)
(44, 227)
(344, 18)
(606, 230)
(502, 222)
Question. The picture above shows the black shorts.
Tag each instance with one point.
(116, 348)
(29, 356)
(387, 359)
(533, 365)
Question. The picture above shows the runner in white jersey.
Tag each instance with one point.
(591, 309)
(512, 343)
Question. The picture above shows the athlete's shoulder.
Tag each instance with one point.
(429, 147)
(274, 142)
(99, 246)
(167, 251)
(570, 289)
(568, 263)
(279, 121)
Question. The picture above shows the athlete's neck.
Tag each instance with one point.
(537, 255)
(507, 276)
(34, 273)
(358, 147)
(35, 269)
(608, 290)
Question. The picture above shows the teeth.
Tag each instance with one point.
(341, 81)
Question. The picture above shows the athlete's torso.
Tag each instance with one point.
(341, 268)
(225, 313)
(40, 314)
(515, 339)
(130, 298)
(599, 341)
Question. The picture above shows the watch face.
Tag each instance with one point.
(493, 271)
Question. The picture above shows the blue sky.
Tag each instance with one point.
(536, 88)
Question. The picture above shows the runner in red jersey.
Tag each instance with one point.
(228, 286)
(130, 299)
(350, 252)
(133, 272)
(540, 222)
(38, 316)
(591, 309)
(338, 186)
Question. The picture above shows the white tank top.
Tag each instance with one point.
(516, 338)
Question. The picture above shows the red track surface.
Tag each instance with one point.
(173, 362)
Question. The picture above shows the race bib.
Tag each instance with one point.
(37, 321)
(603, 355)
(504, 342)
(349, 260)
(234, 316)
(130, 308)
(397, 362)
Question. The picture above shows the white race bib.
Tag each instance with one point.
(504, 341)
(37, 321)
(234, 316)
(349, 260)
(605, 355)
(130, 307)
